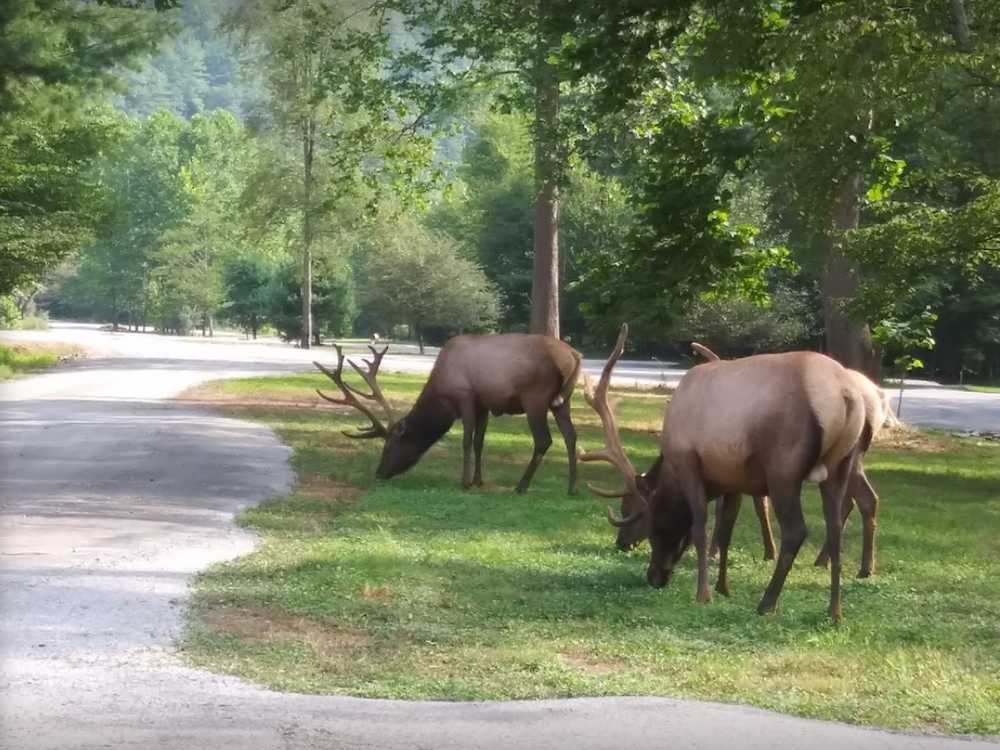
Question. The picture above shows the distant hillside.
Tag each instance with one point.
(197, 70)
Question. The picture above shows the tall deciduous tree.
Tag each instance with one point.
(329, 105)
(478, 43)
(54, 54)
(419, 278)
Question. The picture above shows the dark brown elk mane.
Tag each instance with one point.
(473, 377)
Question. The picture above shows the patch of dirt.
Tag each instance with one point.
(261, 625)
(902, 437)
(319, 487)
(207, 395)
(376, 593)
(590, 663)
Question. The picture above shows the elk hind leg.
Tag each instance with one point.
(539, 424)
(786, 497)
(833, 491)
(482, 419)
(867, 499)
(565, 424)
(713, 548)
(469, 425)
(760, 508)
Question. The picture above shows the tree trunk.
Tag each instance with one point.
(960, 26)
(847, 340)
(545, 272)
(308, 143)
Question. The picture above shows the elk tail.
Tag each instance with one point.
(569, 383)
(704, 351)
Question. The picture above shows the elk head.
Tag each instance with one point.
(397, 454)
(634, 523)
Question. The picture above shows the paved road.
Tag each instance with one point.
(199, 359)
(111, 497)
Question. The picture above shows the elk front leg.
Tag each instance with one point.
(565, 424)
(539, 424)
(694, 494)
(760, 507)
(482, 419)
(729, 508)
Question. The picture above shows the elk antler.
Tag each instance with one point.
(613, 452)
(352, 394)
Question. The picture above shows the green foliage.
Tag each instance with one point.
(197, 70)
(334, 307)
(902, 337)
(10, 314)
(414, 276)
(737, 327)
(17, 360)
(247, 279)
(54, 56)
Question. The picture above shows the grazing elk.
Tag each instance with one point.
(511, 373)
(761, 425)
(859, 489)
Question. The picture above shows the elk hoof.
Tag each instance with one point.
(835, 614)
(657, 578)
(722, 587)
(822, 561)
(865, 573)
(769, 555)
(520, 489)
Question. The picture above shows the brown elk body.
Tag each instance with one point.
(859, 488)
(761, 425)
(475, 376)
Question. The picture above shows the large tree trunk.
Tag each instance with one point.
(847, 340)
(308, 143)
(960, 26)
(545, 273)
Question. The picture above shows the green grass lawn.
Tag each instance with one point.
(415, 589)
(18, 359)
(984, 388)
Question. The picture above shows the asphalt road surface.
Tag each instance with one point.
(111, 497)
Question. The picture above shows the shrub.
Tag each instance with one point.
(10, 316)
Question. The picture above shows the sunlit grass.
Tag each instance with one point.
(17, 359)
(416, 589)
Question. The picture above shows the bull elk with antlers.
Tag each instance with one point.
(473, 377)
(761, 425)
